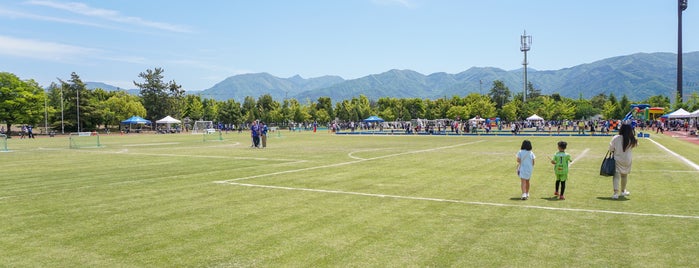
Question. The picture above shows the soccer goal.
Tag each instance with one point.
(203, 127)
(84, 140)
(3, 143)
(213, 136)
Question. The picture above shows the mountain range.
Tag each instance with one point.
(638, 76)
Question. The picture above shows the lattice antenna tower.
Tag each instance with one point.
(525, 45)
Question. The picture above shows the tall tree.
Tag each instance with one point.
(158, 96)
(77, 107)
(499, 94)
(21, 102)
(532, 92)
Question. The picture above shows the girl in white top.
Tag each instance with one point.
(622, 146)
(525, 166)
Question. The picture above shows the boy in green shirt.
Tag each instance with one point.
(560, 162)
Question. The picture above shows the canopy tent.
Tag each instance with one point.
(168, 120)
(535, 118)
(695, 113)
(476, 119)
(134, 120)
(373, 118)
(680, 113)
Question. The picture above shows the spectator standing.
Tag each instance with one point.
(622, 146)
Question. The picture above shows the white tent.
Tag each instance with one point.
(168, 120)
(695, 113)
(535, 118)
(476, 119)
(680, 113)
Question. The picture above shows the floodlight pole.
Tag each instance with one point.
(681, 6)
(46, 112)
(62, 125)
(77, 104)
(525, 45)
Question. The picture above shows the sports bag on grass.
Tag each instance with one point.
(608, 165)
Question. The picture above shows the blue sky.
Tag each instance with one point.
(200, 43)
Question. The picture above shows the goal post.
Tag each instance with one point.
(84, 140)
(205, 127)
(213, 136)
(3, 143)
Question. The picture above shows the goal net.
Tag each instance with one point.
(84, 140)
(213, 136)
(3, 143)
(203, 127)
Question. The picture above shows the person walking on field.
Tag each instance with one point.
(263, 134)
(560, 162)
(525, 167)
(622, 146)
(255, 133)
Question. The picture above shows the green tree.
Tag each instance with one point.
(659, 101)
(599, 101)
(194, 109)
(325, 103)
(459, 111)
(210, 109)
(510, 110)
(229, 112)
(499, 94)
(21, 102)
(532, 92)
(692, 102)
(480, 105)
(122, 105)
(77, 106)
(585, 109)
(157, 96)
(623, 108)
(265, 105)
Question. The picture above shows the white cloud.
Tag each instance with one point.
(111, 15)
(22, 15)
(35, 49)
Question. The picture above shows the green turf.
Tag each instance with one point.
(323, 200)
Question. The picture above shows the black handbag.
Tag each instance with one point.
(608, 167)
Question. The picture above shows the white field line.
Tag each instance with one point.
(681, 158)
(151, 144)
(346, 163)
(126, 151)
(584, 152)
(351, 154)
(464, 202)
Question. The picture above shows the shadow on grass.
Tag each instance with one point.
(609, 198)
(552, 198)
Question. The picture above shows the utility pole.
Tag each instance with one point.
(681, 6)
(525, 45)
(77, 104)
(62, 125)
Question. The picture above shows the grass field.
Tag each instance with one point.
(323, 200)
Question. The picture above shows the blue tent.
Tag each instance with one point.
(134, 120)
(373, 118)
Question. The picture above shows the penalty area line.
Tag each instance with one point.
(459, 201)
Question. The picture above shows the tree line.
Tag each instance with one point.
(68, 106)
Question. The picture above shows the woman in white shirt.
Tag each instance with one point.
(622, 145)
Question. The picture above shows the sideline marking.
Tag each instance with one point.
(584, 152)
(462, 202)
(151, 144)
(682, 158)
(345, 163)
